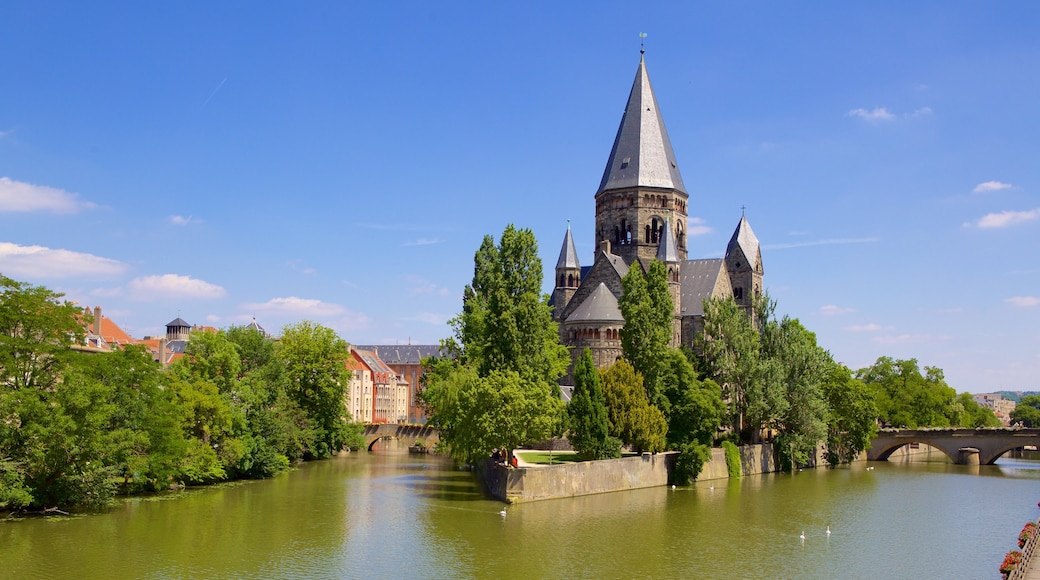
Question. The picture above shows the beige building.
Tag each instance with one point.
(376, 394)
(1000, 406)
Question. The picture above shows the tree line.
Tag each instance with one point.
(77, 427)
(751, 375)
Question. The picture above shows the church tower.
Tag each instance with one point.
(568, 275)
(744, 264)
(641, 189)
(668, 255)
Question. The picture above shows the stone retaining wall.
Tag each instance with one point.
(573, 479)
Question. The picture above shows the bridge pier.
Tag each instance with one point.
(968, 456)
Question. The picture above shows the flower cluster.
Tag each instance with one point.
(1027, 532)
(1011, 561)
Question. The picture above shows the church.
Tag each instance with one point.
(641, 216)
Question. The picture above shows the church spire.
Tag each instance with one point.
(642, 155)
(568, 255)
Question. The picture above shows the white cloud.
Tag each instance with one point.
(875, 115)
(695, 226)
(988, 186)
(423, 242)
(173, 286)
(291, 305)
(871, 327)
(919, 112)
(1023, 301)
(18, 196)
(833, 309)
(1005, 219)
(42, 262)
(824, 242)
(179, 220)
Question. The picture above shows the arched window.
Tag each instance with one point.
(562, 279)
(646, 235)
(738, 293)
(570, 281)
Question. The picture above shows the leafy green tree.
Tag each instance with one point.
(504, 337)
(690, 462)
(589, 428)
(905, 397)
(1027, 411)
(506, 323)
(37, 329)
(632, 418)
(966, 412)
(647, 307)
(729, 346)
(852, 421)
(797, 371)
(317, 377)
(696, 406)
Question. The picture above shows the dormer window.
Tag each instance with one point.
(625, 161)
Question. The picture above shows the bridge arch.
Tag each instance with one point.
(960, 445)
(883, 452)
(409, 434)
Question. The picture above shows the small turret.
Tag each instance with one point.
(568, 274)
(744, 264)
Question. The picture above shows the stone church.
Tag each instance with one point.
(641, 215)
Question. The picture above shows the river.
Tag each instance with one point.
(390, 514)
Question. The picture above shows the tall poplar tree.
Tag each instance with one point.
(647, 307)
(589, 427)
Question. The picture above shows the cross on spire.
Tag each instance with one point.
(642, 49)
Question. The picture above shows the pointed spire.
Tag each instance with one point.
(642, 154)
(746, 240)
(667, 252)
(568, 255)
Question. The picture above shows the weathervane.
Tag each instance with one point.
(642, 49)
(742, 208)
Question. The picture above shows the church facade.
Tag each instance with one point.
(641, 216)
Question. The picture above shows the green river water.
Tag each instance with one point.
(392, 515)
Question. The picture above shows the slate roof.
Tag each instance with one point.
(697, 282)
(405, 354)
(667, 252)
(642, 154)
(178, 322)
(568, 255)
(746, 240)
(372, 360)
(600, 306)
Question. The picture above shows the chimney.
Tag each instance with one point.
(97, 320)
(162, 352)
(604, 246)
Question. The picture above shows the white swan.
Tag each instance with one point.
(802, 536)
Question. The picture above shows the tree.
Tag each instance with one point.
(729, 346)
(632, 418)
(589, 427)
(905, 397)
(504, 338)
(796, 405)
(316, 375)
(37, 330)
(506, 323)
(647, 308)
(1027, 411)
(852, 421)
(696, 406)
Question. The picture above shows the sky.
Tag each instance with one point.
(341, 162)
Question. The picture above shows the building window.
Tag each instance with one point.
(738, 293)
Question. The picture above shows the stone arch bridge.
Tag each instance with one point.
(402, 432)
(962, 446)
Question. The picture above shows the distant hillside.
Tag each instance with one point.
(1016, 396)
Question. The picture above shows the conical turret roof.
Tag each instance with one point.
(599, 307)
(667, 251)
(568, 255)
(746, 240)
(642, 154)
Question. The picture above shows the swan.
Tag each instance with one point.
(802, 536)
(828, 530)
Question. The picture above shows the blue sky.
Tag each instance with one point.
(340, 162)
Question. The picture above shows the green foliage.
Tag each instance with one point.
(498, 389)
(1027, 411)
(729, 346)
(852, 422)
(647, 307)
(966, 412)
(906, 398)
(632, 418)
(506, 323)
(589, 427)
(316, 378)
(732, 459)
(690, 462)
(477, 414)
(696, 407)
(36, 330)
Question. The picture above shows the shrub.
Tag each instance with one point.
(732, 459)
(691, 459)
